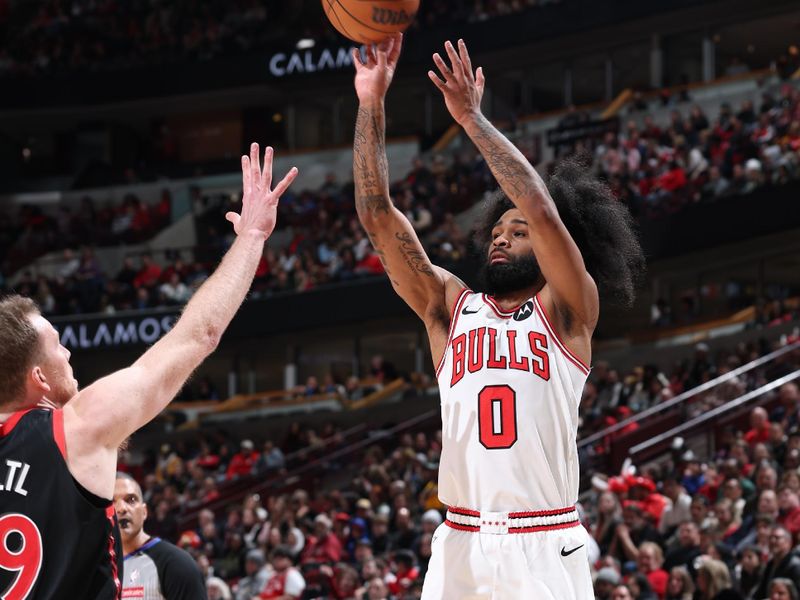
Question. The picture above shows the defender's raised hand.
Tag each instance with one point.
(374, 76)
(259, 201)
(462, 89)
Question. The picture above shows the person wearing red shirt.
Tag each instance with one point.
(644, 490)
(406, 574)
(207, 459)
(149, 273)
(286, 582)
(242, 462)
(759, 427)
(370, 264)
(789, 510)
(673, 179)
(323, 546)
(649, 564)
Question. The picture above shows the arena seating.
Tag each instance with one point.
(366, 473)
(656, 167)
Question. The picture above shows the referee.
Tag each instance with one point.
(153, 569)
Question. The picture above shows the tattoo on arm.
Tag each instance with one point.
(370, 165)
(373, 237)
(511, 169)
(415, 259)
(374, 203)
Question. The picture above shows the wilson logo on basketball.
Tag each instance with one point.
(387, 16)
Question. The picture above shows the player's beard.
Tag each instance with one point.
(63, 385)
(518, 273)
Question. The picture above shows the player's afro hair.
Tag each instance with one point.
(600, 224)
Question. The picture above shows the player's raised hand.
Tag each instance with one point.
(462, 88)
(259, 201)
(374, 76)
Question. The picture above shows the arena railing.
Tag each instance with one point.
(709, 423)
(606, 450)
(683, 397)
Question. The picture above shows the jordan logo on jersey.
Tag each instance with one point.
(469, 356)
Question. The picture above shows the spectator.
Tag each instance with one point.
(714, 581)
(286, 582)
(271, 458)
(604, 583)
(679, 511)
(748, 571)
(405, 534)
(783, 589)
(148, 274)
(175, 291)
(759, 427)
(688, 547)
(375, 589)
(782, 564)
(609, 515)
(323, 547)
(680, 585)
(407, 572)
(640, 587)
(218, 589)
(629, 535)
(243, 462)
(622, 592)
(257, 573)
(649, 562)
(789, 510)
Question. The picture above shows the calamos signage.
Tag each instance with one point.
(115, 332)
(284, 64)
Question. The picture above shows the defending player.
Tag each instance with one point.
(58, 534)
(512, 361)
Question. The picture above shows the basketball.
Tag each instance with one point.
(370, 21)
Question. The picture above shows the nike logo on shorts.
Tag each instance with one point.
(565, 552)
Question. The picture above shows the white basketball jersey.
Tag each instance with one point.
(510, 392)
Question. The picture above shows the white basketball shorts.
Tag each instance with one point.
(509, 556)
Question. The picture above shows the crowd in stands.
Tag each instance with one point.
(33, 231)
(723, 527)
(60, 36)
(659, 168)
(328, 245)
(656, 168)
(361, 526)
(653, 167)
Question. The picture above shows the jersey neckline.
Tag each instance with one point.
(146, 546)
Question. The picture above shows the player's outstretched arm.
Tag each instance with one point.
(424, 287)
(104, 414)
(558, 256)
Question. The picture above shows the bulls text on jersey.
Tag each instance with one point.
(523, 354)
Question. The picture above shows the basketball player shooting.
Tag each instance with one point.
(511, 361)
(58, 533)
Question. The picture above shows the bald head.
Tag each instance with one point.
(758, 417)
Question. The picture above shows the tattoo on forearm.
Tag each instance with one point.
(415, 259)
(508, 165)
(370, 166)
(373, 237)
(374, 203)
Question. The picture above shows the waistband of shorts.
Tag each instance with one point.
(501, 523)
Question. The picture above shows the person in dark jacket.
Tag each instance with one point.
(783, 564)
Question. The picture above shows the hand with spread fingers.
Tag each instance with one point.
(462, 88)
(259, 201)
(374, 76)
